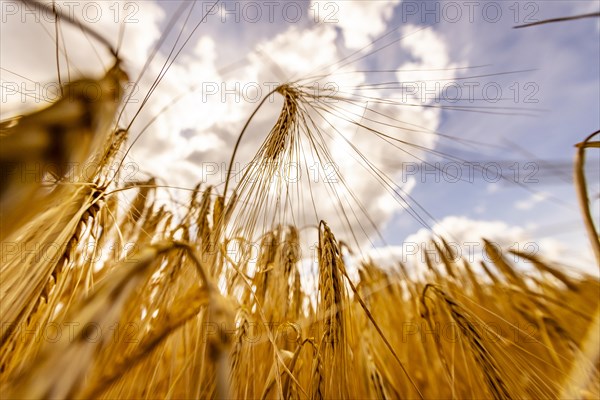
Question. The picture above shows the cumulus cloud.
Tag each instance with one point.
(191, 139)
(531, 201)
(430, 62)
(360, 21)
(428, 48)
(466, 236)
(349, 192)
(367, 194)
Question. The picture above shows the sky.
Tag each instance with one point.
(437, 78)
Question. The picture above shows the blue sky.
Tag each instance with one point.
(565, 58)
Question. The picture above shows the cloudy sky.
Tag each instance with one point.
(468, 125)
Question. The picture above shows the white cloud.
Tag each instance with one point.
(360, 21)
(531, 201)
(199, 130)
(425, 77)
(292, 54)
(466, 236)
(492, 188)
(427, 46)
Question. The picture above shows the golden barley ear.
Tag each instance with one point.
(559, 19)
(582, 195)
(47, 143)
(55, 141)
(59, 370)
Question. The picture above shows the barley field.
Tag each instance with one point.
(176, 226)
